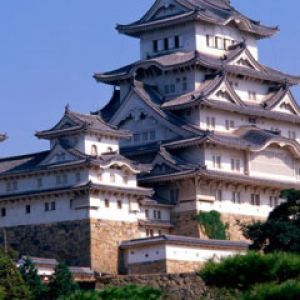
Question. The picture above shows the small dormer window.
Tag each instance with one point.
(155, 46)
(94, 150)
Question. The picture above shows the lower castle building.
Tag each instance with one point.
(80, 202)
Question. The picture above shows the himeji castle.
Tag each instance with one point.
(196, 124)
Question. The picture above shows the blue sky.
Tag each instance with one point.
(50, 49)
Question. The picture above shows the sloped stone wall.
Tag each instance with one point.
(186, 225)
(106, 237)
(234, 221)
(66, 241)
(186, 286)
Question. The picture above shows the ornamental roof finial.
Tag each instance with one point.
(67, 108)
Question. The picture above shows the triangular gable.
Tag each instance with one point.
(287, 104)
(224, 92)
(135, 108)
(162, 166)
(162, 9)
(65, 123)
(58, 155)
(245, 60)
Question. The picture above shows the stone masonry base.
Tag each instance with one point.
(89, 243)
(164, 267)
(175, 286)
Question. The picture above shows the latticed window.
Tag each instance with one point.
(219, 195)
(236, 197)
(217, 162)
(255, 199)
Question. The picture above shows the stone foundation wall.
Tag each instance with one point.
(185, 224)
(177, 266)
(164, 267)
(234, 222)
(66, 241)
(106, 237)
(89, 243)
(155, 267)
(175, 286)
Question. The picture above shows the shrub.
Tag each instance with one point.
(11, 281)
(289, 290)
(62, 283)
(131, 292)
(281, 232)
(212, 225)
(33, 280)
(82, 295)
(243, 271)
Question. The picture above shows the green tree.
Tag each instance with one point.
(2, 293)
(289, 290)
(11, 280)
(33, 280)
(212, 225)
(281, 231)
(61, 284)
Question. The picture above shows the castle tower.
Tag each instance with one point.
(220, 129)
(79, 200)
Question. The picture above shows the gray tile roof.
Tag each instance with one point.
(247, 137)
(33, 162)
(153, 100)
(253, 111)
(186, 241)
(77, 122)
(22, 163)
(135, 191)
(218, 12)
(208, 87)
(181, 59)
(108, 158)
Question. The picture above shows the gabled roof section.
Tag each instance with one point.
(245, 59)
(152, 99)
(74, 123)
(283, 101)
(62, 154)
(249, 138)
(194, 58)
(218, 89)
(172, 12)
(107, 160)
(165, 163)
